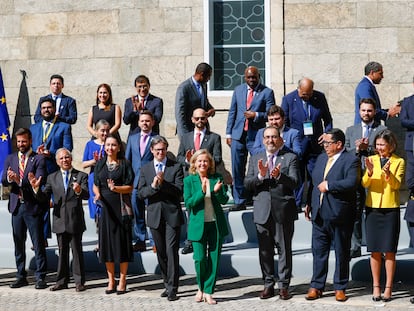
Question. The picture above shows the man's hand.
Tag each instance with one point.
(188, 155)
(249, 114)
(276, 171)
(13, 176)
(394, 110)
(307, 212)
(262, 168)
(362, 144)
(323, 186)
(211, 112)
(228, 142)
(35, 183)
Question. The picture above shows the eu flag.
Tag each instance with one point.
(5, 142)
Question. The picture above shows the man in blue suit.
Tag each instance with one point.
(247, 114)
(366, 89)
(140, 102)
(307, 111)
(138, 152)
(335, 180)
(65, 105)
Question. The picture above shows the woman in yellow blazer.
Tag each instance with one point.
(204, 192)
(382, 179)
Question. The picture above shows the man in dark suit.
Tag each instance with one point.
(366, 89)
(247, 114)
(143, 101)
(272, 177)
(68, 186)
(307, 111)
(65, 105)
(138, 153)
(335, 180)
(27, 213)
(359, 140)
(161, 183)
(192, 94)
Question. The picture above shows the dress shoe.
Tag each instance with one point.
(355, 253)
(172, 296)
(19, 283)
(139, 247)
(387, 298)
(238, 207)
(284, 294)
(110, 291)
(187, 249)
(58, 287)
(80, 288)
(313, 293)
(41, 284)
(267, 293)
(121, 292)
(164, 294)
(340, 295)
(412, 300)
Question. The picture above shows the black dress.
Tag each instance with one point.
(115, 235)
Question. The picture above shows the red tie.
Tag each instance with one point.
(197, 141)
(142, 103)
(248, 104)
(21, 166)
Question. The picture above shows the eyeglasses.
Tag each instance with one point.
(271, 137)
(328, 143)
(199, 118)
(144, 87)
(160, 149)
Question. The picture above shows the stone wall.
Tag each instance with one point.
(90, 42)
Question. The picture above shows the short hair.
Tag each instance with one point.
(211, 165)
(47, 100)
(203, 67)
(146, 112)
(63, 149)
(56, 76)
(101, 123)
(23, 131)
(108, 88)
(369, 101)
(389, 137)
(274, 109)
(372, 66)
(271, 127)
(337, 135)
(159, 139)
(142, 79)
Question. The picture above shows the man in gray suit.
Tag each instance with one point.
(272, 177)
(359, 139)
(69, 187)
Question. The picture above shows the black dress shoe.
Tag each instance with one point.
(238, 207)
(187, 249)
(110, 291)
(80, 287)
(58, 287)
(267, 293)
(284, 294)
(172, 296)
(41, 284)
(121, 292)
(164, 294)
(412, 299)
(19, 283)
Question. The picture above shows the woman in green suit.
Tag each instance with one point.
(204, 192)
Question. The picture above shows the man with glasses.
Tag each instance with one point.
(161, 183)
(143, 100)
(272, 177)
(335, 180)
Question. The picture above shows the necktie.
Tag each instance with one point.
(328, 167)
(270, 165)
(159, 167)
(197, 142)
(366, 131)
(143, 144)
(141, 103)
(66, 179)
(22, 166)
(248, 105)
(306, 107)
(201, 94)
(46, 131)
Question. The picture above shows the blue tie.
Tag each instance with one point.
(159, 167)
(66, 179)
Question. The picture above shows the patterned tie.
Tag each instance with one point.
(270, 164)
(159, 167)
(197, 141)
(248, 105)
(143, 144)
(366, 131)
(142, 103)
(22, 166)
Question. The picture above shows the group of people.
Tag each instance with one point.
(298, 151)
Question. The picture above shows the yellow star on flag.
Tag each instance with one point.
(3, 137)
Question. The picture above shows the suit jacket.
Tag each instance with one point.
(187, 99)
(35, 164)
(133, 154)
(291, 137)
(366, 89)
(354, 132)
(263, 99)
(164, 202)
(274, 197)
(194, 202)
(211, 142)
(320, 116)
(67, 109)
(153, 104)
(68, 215)
(60, 136)
(407, 121)
(339, 203)
(381, 193)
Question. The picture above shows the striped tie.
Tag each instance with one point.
(22, 166)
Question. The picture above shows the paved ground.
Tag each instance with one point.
(238, 293)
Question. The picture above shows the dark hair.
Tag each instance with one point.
(121, 153)
(271, 127)
(108, 88)
(389, 137)
(146, 112)
(369, 101)
(372, 66)
(23, 131)
(159, 139)
(55, 76)
(203, 68)
(142, 79)
(337, 135)
(47, 100)
(275, 109)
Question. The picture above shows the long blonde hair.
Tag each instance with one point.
(211, 167)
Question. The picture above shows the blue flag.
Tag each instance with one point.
(5, 141)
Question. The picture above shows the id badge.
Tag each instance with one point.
(307, 128)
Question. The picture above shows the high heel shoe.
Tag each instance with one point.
(376, 298)
(110, 291)
(199, 296)
(209, 299)
(389, 298)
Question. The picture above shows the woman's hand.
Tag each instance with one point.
(218, 186)
(204, 184)
(369, 166)
(386, 169)
(111, 184)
